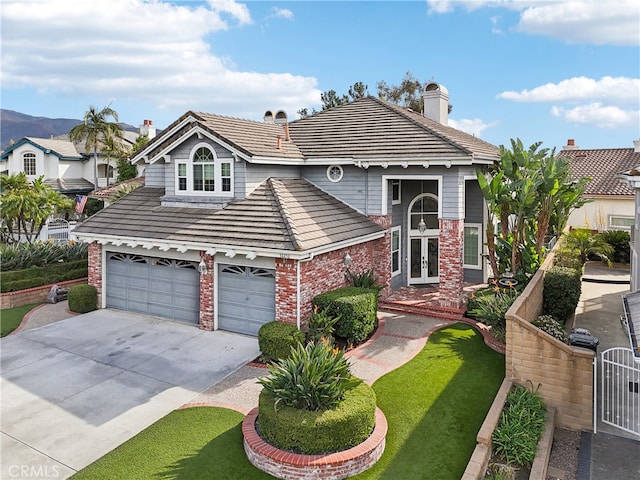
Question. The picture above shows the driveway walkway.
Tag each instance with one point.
(75, 389)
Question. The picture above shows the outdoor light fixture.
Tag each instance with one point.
(422, 226)
(346, 261)
(202, 267)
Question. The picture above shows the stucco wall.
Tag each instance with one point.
(595, 215)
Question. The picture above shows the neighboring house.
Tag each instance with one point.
(243, 222)
(612, 205)
(65, 166)
(631, 178)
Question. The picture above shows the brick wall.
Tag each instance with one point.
(286, 291)
(451, 262)
(95, 268)
(206, 294)
(565, 373)
(33, 295)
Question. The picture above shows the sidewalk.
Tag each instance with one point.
(45, 314)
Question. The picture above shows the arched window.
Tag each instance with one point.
(29, 163)
(204, 173)
(425, 208)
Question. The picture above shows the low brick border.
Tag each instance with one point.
(34, 294)
(335, 466)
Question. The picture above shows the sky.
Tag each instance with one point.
(541, 71)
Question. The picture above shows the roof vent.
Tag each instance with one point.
(268, 116)
(281, 117)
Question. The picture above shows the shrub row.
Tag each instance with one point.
(562, 288)
(37, 276)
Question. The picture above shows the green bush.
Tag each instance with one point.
(491, 309)
(475, 297)
(314, 377)
(315, 432)
(357, 309)
(568, 257)
(15, 280)
(619, 240)
(562, 288)
(321, 326)
(550, 325)
(516, 436)
(21, 256)
(276, 339)
(82, 298)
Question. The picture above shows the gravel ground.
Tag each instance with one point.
(563, 463)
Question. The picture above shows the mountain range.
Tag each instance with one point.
(15, 125)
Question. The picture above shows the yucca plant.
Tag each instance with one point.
(367, 279)
(321, 326)
(314, 377)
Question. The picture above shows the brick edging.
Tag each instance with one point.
(284, 464)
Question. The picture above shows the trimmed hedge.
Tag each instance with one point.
(562, 288)
(357, 309)
(82, 298)
(37, 276)
(275, 340)
(323, 431)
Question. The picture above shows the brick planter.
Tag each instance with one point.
(333, 466)
(34, 294)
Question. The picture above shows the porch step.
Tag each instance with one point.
(453, 314)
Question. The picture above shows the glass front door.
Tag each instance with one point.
(423, 260)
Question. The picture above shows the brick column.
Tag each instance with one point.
(286, 291)
(451, 262)
(206, 294)
(382, 253)
(94, 254)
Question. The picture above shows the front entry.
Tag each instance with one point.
(424, 261)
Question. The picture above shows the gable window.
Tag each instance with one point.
(472, 245)
(29, 163)
(395, 251)
(334, 173)
(395, 192)
(204, 172)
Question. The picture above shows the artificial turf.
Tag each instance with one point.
(10, 318)
(434, 405)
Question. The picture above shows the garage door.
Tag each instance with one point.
(157, 286)
(246, 298)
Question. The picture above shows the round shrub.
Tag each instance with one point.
(562, 288)
(82, 298)
(550, 325)
(276, 339)
(313, 432)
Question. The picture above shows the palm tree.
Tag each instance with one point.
(94, 129)
(587, 244)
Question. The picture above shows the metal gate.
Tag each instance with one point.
(57, 229)
(620, 389)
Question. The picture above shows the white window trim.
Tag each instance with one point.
(611, 226)
(399, 200)
(217, 167)
(331, 179)
(479, 265)
(33, 156)
(399, 271)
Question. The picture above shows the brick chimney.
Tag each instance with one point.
(571, 145)
(147, 128)
(436, 102)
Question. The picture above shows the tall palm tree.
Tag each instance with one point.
(94, 129)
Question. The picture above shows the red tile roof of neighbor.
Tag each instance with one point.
(603, 167)
(107, 192)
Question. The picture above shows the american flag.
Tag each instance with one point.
(81, 201)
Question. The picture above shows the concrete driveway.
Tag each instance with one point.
(73, 390)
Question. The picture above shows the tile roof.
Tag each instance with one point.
(280, 215)
(603, 166)
(70, 185)
(370, 127)
(107, 192)
(61, 148)
(366, 128)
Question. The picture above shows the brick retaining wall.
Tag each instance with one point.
(33, 295)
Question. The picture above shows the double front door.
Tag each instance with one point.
(423, 260)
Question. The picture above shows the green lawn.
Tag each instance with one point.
(10, 318)
(434, 404)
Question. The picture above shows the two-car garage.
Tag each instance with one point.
(170, 288)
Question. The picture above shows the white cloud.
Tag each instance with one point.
(145, 50)
(601, 22)
(602, 116)
(472, 126)
(281, 13)
(619, 90)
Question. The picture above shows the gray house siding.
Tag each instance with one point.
(254, 174)
(154, 175)
(352, 189)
